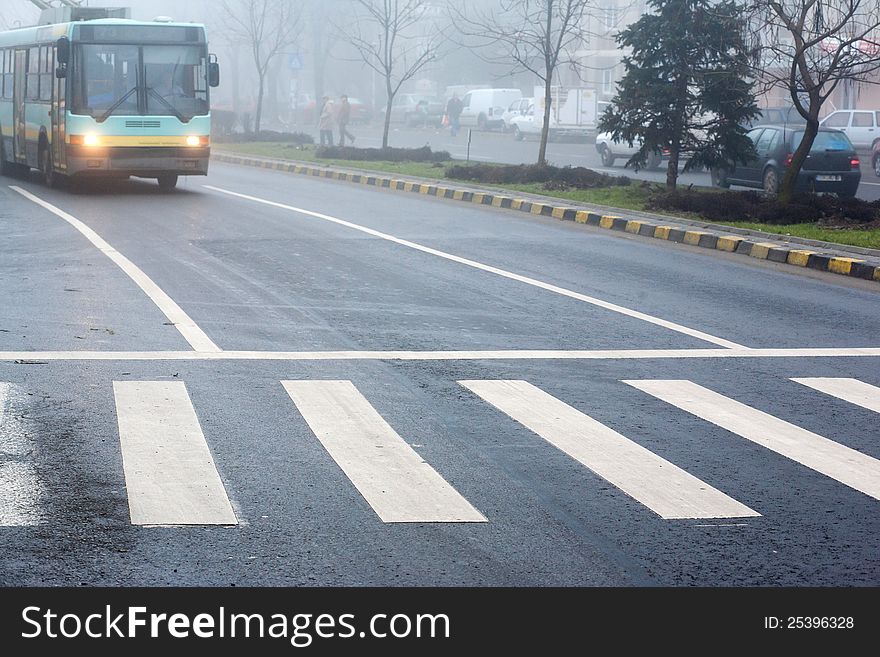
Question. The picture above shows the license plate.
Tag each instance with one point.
(828, 178)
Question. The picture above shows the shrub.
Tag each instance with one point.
(757, 207)
(552, 177)
(423, 154)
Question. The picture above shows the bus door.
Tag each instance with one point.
(19, 123)
(59, 111)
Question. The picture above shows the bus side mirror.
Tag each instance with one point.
(62, 50)
(213, 72)
(61, 72)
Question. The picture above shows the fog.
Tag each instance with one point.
(320, 59)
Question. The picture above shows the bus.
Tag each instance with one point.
(109, 97)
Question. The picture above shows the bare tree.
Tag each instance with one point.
(266, 27)
(389, 40)
(808, 48)
(534, 35)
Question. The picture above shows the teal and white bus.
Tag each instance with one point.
(108, 97)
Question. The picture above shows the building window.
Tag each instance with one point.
(608, 81)
(610, 18)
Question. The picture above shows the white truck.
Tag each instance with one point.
(573, 113)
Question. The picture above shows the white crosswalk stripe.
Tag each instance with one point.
(851, 390)
(391, 476)
(171, 477)
(653, 481)
(846, 465)
(169, 472)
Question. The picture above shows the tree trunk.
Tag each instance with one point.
(786, 188)
(545, 128)
(236, 82)
(259, 103)
(672, 167)
(390, 97)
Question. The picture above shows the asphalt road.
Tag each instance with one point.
(495, 146)
(643, 440)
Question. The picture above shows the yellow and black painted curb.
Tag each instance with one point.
(781, 252)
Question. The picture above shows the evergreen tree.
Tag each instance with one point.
(685, 89)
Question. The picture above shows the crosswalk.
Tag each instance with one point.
(172, 478)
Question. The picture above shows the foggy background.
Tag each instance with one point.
(320, 61)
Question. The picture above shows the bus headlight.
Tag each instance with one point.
(83, 140)
(193, 140)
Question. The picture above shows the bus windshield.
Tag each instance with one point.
(140, 80)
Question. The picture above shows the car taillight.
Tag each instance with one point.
(854, 163)
(788, 159)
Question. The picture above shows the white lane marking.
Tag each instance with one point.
(663, 487)
(494, 270)
(175, 314)
(169, 472)
(390, 474)
(851, 390)
(848, 466)
(510, 354)
(21, 490)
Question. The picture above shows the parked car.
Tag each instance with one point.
(610, 151)
(831, 166)
(776, 116)
(417, 110)
(518, 107)
(530, 124)
(861, 126)
(484, 108)
(875, 158)
(524, 125)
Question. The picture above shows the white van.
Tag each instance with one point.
(484, 108)
(861, 126)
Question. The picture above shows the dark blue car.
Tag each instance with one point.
(831, 166)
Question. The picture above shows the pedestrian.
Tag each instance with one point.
(453, 112)
(325, 122)
(342, 118)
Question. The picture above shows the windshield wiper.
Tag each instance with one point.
(162, 100)
(119, 102)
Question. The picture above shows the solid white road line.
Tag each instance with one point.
(390, 474)
(169, 473)
(494, 270)
(510, 354)
(175, 314)
(666, 489)
(851, 390)
(837, 461)
(21, 491)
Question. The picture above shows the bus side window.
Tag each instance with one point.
(46, 76)
(7, 73)
(3, 72)
(33, 74)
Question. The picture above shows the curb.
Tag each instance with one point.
(782, 252)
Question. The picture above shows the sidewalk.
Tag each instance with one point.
(840, 259)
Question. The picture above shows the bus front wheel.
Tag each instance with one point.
(167, 183)
(47, 167)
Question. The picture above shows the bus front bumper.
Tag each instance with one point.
(148, 162)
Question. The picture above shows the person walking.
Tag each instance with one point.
(325, 122)
(342, 119)
(453, 112)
